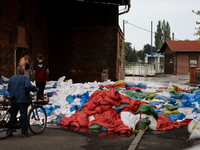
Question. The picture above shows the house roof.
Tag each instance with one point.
(181, 46)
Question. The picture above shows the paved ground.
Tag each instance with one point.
(67, 139)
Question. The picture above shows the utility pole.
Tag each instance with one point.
(124, 27)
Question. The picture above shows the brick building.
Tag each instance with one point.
(22, 28)
(180, 55)
(80, 39)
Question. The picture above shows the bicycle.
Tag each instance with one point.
(37, 118)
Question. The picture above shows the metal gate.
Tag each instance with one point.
(169, 64)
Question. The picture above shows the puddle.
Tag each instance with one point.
(147, 80)
(109, 135)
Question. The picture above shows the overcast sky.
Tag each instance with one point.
(178, 13)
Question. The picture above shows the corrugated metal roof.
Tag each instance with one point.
(182, 46)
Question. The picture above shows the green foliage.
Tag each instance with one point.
(159, 34)
(198, 29)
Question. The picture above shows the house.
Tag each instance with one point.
(180, 55)
(80, 39)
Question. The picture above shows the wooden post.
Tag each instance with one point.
(192, 73)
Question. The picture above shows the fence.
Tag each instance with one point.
(142, 69)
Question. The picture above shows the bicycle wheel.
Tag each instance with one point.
(5, 116)
(37, 119)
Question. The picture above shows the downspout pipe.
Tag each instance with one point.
(129, 5)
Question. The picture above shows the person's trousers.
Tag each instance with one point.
(22, 108)
(41, 87)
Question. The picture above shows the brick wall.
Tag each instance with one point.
(84, 53)
(21, 30)
(181, 61)
(86, 43)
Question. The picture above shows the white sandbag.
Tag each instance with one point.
(195, 135)
(1, 98)
(91, 118)
(4, 78)
(164, 94)
(193, 124)
(129, 119)
(60, 80)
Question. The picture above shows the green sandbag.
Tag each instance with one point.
(142, 124)
(147, 109)
(95, 127)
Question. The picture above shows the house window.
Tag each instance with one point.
(21, 10)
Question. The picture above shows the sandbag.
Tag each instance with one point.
(163, 123)
(195, 134)
(129, 119)
(142, 124)
(82, 118)
(193, 124)
(147, 109)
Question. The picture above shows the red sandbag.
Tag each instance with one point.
(98, 109)
(163, 123)
(67, 120)
(82, 118)
(124, 99)
(111, 101)
(106, 107)
(93, 102)
(118, 126)
(113, 94)
(89, 112)
(182, 123)
(127, 108)
(133, 88)
(105, 118)
(75, 124)
(135, 104)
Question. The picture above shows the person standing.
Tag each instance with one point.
(19, 88)
(24, 61)
(41, 71)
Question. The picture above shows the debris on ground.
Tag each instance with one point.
(120, 106)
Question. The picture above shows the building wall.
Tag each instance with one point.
(88, 44)
(23, 26)
(86, 54)
(181, 60)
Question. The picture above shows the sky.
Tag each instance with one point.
(178, 13)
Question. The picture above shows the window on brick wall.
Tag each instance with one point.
(21, 10)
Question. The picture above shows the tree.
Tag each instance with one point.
(198, 29)
(159, 34)
(130, 54)
(140, 55)
(147, 48)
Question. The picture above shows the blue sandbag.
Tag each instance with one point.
(161, 97)
(119, 108)
(70, 99)
(127, 85)
(172, 101)
(176, 96)
(158, 111)
(83, 101)
(196, 110)
(175, 117)
(58, 119)
(142, 85)
(138, 90)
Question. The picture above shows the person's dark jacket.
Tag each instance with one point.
(19, 87)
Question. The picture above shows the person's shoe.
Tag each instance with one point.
(24, 135)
